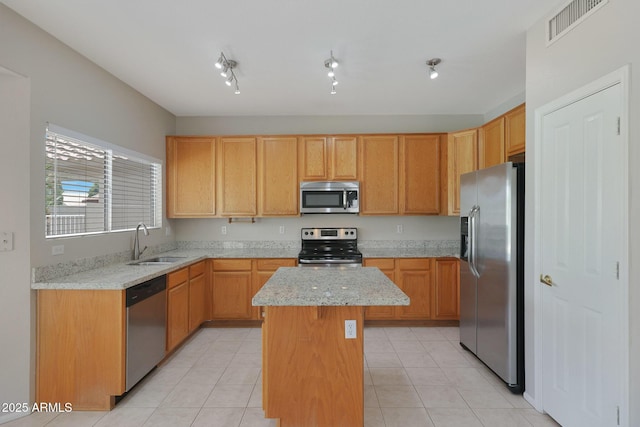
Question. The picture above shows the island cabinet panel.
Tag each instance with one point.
(378, 157)
(81, 344)
(387, 266)
(420, 175)
(312, 375)
(515, 130)
(447, 289)
(231, 285)
(278, 176)
(177, 307)
(191, 181)
(237, 173)
(416, 280)
(491, 150)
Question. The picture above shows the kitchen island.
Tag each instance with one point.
(312, 373)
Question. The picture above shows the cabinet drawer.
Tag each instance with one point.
(414, 263)
(274, 264)
(196, 269)
(231, 264)
(177, 277)
(381, 263)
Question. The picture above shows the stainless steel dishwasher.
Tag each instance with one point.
(146, 328)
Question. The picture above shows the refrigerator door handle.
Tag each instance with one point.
(472, 240)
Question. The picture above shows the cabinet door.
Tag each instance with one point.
(177, 314)
(461, 157)
(344, 156)
(491, 144)
(231, 295)
(278, 176)
(313, 159)
(420, 183)
(382, 312)
(378, 158)
(515, 130)
(191, 189)
(237, 160)
(416, 280)
(447, 290)
(197, 301)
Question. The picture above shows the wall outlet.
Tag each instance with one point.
(223, 229)
(399, 229)
(350, 329)
(282, 229)
(57, 250)
(6, 241)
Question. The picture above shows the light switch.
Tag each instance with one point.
(6, 241)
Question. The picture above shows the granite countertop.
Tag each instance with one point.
(329, 286)
(121, 275)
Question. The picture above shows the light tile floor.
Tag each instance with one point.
(414, 377)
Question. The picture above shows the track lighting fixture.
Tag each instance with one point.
(332, 64)
(433, 73)
(227, 66)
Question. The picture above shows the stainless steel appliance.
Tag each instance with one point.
(329, 247)
(146, 328)
(492, 269)
(329, 197)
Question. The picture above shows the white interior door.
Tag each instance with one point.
(581, 217)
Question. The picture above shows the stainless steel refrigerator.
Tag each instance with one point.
(492, 269)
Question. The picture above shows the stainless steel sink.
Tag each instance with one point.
(160, 260)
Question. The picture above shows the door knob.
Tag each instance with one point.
(546, 279)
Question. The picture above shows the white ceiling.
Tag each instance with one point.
(166, 50)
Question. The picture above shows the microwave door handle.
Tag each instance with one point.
(344, 199)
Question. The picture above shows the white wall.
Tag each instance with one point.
(601, 44)
(15, 294)
(66, 89)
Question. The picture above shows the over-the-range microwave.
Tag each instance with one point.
(329, 197)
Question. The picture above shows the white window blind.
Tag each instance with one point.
(96, 187)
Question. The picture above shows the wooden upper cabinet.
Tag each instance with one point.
(378, 158)
(191, 182)
(278, 176)
(420, 174)
(313, 159)
(491, 150)
(460, 157)
(237, 171)
(515, 130)
(328, 158)
(343, 158)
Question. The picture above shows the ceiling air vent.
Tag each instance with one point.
(570, 16)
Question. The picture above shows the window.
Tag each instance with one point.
(95, 187)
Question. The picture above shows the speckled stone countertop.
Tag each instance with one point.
(329, 286)
(121, 275)
(408, 252)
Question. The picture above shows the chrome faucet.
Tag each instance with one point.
(136, 243)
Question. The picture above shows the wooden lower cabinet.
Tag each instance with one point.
(234, 282)
(432, 284)
(415, 278)
(177, 307)
(198, 301)
(447, 290)
(81, 345)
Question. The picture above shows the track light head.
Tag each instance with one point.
(433, 73)
(219, 63)
(229, 80)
